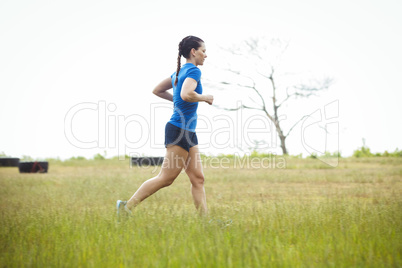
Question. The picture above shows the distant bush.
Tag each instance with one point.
(79, 158)
(396, 153)
(120, 157)
(298, 156)
(54, 160)
(363, 152)
(255, 153)
(26, 158)
(334, 154)
(313, 156)
(326, 155)
(99, 157)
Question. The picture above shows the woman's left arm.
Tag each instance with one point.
(188, 92)
(161, 90)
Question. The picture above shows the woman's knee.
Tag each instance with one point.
(197, 179)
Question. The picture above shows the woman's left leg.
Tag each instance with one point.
(194, 171)
(172, 166)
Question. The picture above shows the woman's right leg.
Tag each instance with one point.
(173, 163)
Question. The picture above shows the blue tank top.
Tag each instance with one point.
(185, 113)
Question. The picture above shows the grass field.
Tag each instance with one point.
(304, 215)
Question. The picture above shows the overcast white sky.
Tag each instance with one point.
(107, 56)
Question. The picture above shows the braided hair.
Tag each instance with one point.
(185, 46)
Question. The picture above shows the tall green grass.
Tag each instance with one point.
(302, 216)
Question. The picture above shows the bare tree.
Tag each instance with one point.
(265, 56)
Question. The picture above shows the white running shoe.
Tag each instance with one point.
(120, 206)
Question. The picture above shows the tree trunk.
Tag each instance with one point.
(282, 137)
(283, 144)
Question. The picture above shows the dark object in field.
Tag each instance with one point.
(33, 167)
(146, 161)
(9, 162)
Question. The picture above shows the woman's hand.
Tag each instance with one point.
(209, 99)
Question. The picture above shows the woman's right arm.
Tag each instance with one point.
(161, 90)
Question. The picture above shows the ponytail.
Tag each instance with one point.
(178, 68)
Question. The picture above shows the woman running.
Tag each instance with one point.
(180, 137)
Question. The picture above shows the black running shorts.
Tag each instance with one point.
(181, 137)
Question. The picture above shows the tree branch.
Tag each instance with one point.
(296, 124)
(263, 75)
(253, 47)
(287, 98)
(238, 108)
(231, 50)
(319, 85)
(310, 90)
(253, 87)
(296, 94)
